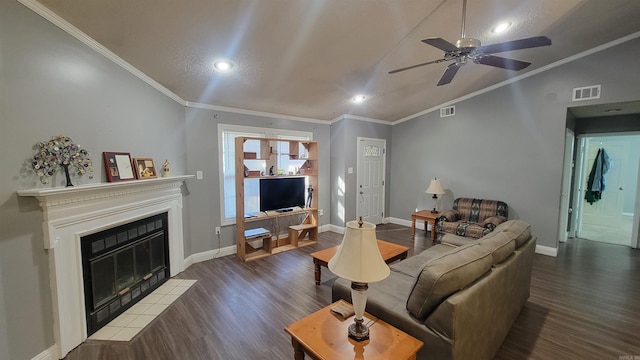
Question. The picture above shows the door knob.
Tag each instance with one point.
(621, 188)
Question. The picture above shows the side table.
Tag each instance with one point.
(428, 217)
(323, 335)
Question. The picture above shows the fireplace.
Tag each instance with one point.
(122, 265)
(73, 214)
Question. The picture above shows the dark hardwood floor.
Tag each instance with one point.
(584, 304)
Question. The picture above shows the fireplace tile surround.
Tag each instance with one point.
(72, 212)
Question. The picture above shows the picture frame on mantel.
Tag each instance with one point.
(145, 168)
(118, 166)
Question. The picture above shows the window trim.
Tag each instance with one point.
(256, 132)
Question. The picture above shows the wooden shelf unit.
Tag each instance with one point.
(303, 234)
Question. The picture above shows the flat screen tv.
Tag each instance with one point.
(281, 194)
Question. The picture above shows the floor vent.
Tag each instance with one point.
(586, 93)
(447, 111)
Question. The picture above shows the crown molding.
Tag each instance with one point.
(524, 76)
(360, 118)
(87, 40)
(196, 105)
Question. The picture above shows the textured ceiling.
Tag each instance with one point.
(307, 58)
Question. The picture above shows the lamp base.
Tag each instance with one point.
(435, 203)
(358, 331)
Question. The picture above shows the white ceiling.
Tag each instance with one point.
(307, 58)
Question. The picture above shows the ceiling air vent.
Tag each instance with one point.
(586, 93)
(447, 111)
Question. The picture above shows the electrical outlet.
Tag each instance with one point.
(321, 212)
(218, 230)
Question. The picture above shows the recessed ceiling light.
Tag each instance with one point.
(501, 27)
(223, 65)
(358, 98)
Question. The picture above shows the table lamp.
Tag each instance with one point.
(436, 189)
(358, 259)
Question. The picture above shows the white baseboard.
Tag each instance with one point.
(228, 250)
(49, 354)
(542, 250)
(337, 229)
(208, 255)
(546, 250)
(407, 223)
(399, 221)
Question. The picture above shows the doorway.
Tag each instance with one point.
(370, 177)
(609, 219)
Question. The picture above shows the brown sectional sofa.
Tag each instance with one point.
(460, 301)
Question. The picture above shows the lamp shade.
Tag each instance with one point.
(358, 257)
(435, 187)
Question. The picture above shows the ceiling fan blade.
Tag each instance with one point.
(449, 73)
(417, 65)
(441, 44)
(515, 45)
(504, 63)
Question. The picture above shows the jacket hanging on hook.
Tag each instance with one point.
(596, 183)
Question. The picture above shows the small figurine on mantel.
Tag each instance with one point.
(165, 168)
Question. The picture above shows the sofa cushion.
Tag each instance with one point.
(462, 228)
(456, 240)
(411, 265)
(445, 275)
(500, 244)
(520, 231)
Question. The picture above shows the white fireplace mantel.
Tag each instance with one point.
(72, 212)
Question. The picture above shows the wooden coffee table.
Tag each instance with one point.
(390, 252)
(323, 335)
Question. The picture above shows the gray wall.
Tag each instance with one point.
(202, 146)
(338, 171)
(344, 151)
(507, 144)
(51, 84)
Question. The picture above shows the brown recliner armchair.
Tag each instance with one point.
(472, 217)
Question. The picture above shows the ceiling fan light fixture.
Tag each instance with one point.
(501, 27)
(223, 65)
(359, 98)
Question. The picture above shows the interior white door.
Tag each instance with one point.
(370, 179)
(608, 210)
(566, 186)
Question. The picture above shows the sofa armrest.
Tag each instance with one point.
(493, 221)
(449, 215)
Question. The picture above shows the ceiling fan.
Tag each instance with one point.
(471, 49)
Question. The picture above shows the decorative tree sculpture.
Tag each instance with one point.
(61, 152)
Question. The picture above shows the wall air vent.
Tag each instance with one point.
(586, 93)
(447, 111)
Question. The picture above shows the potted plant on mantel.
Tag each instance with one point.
(61, 152)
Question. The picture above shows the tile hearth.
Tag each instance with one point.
(132, 321)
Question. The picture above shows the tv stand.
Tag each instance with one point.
(305, 152)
